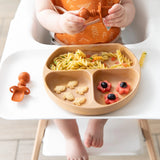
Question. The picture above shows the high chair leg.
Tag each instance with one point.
(147, 135)
(38, 140)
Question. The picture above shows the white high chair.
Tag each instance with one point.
(121, 137)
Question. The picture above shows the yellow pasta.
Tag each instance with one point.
(126, 60)
(79, 60)
(141, 61)
(117, 66)
(109, 54)
(119, 56)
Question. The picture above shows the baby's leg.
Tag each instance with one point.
(74, 147)
(94, 133)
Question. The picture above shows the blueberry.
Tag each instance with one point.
(111, 96)
(104, 85)
(123, 84)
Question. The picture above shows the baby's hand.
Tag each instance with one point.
(70, 23)
(117, 16)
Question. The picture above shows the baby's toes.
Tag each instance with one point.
(84, 158)
(100, 144)
(97, 142)
(69, 158)
(94, 142)
(88, 141)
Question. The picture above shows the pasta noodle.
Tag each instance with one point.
(141, 61)
(79, 60)
(119, 56)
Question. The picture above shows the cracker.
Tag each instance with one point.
(79, 101)
(82, 90)
(59, 89)
(68, 96)
(72, 84)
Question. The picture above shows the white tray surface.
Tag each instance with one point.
(38, 105)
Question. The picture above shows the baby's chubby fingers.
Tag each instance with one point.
(71, 23)
(115, 15)
(115, 8)
(73, 16)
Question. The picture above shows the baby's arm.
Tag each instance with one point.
(120, 15)
(68, 22)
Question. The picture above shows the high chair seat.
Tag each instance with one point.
(121, 137)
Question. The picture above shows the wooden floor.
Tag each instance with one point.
(17, 137)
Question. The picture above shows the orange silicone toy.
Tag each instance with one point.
(20, 90)
(102, 11)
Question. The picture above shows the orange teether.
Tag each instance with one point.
(102, 11)
(20, 90)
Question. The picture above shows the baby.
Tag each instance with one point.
(69, 27)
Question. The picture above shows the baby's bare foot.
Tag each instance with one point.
(94, 133)
(75, 149)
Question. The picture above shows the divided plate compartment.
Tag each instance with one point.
(95, 102)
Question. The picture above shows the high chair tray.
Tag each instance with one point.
(38, 105)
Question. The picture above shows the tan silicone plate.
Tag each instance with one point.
(95, 104)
